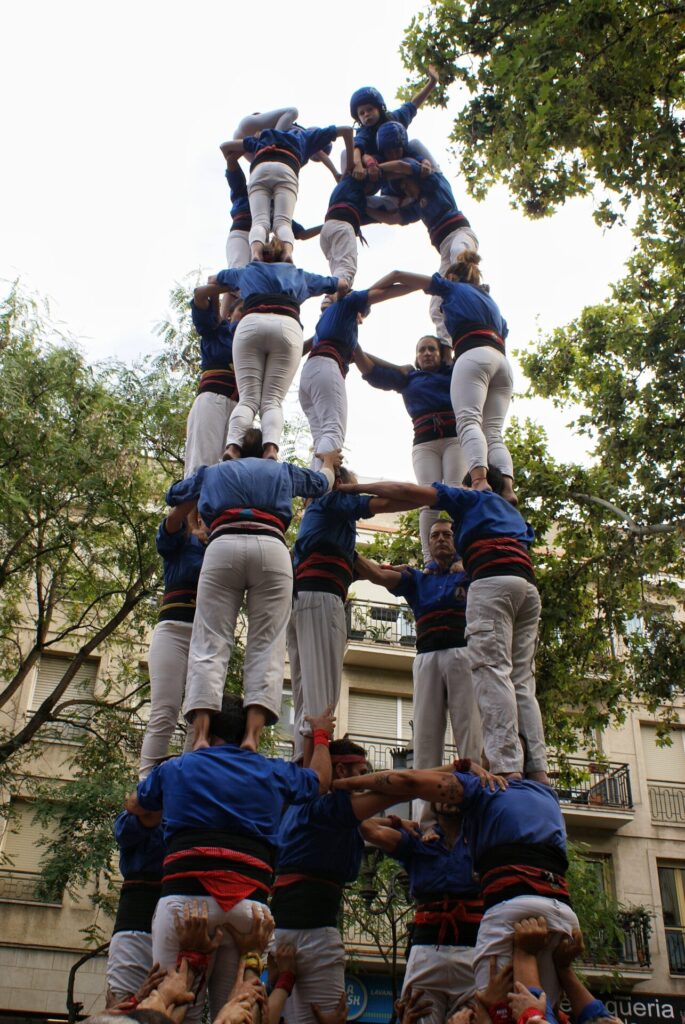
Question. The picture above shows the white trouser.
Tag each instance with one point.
(481, 389)
(267, 349)
(450, 247)
(320, 976)
(445, 973)
(296, 689)
(224, 963)
(167, 663)
(282, 119)
(128, 960)
(496, 932)
(440, 460)
(235, 567)
(323, 397)
(237, 249)
(317, 639)
(502, 615)
(274, 183)
(442, 685)
(206, 430)
(339, 245)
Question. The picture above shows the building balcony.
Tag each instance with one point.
(631, 958)
(20, 887)
(593, 794)
(380, 634)
(667, 803)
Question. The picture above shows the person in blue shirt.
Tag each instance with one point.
(323, 395)
(427, 197)
(516, 834)
(482, 379)
(217, 392)
(368, 109)
(141, 852)
(449, 907)
(221, 807)
(323, 561)
(320, 852)
(442, 679)
(268, 342)
(182, 549)
(346, 215)
(274, 177)
(247, 506)
(502, 613)
(425, 390)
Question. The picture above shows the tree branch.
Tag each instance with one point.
(631, 525)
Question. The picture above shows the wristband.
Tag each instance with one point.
(286, 980)
(321, 738)
(463, 765)
(198, 962)
(395, 822)
(253, 962)
(500, 1013)
(530, 1013)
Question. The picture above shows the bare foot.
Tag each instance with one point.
(481, 485)
(270, 451)
(257, 252)
(508, 492)
(542, 777)
(250, 743)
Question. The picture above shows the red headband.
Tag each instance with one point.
(349, 758)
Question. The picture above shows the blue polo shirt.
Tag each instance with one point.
(436, 869)
(276, 279)
(141, 849)
(321, 838)
(423, 391)
(338, 325)
(466, 307)
(182, 554)
(216, 338)
(438, 601)
(303, 143)
(247, 485)
(226, 788)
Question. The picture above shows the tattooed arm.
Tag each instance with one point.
(428, 784)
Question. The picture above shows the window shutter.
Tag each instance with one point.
(371, 715)
(407, 714)
(20, 840)
(664, 764)
(51, 668)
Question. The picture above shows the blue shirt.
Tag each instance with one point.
(321, 838)
(141, 849)
(365, 137)
(478, 515)
(183, 554)
(216, 338)
(240, 204)
(338, 323)
(350, 192)
(226, 788)
(276, 278)
(428, 592)
(527, 812)
(436, 202)
(303, 143)
(464, 305)
(262, 484)
(423, 391)
(331, 521)
(435, 869)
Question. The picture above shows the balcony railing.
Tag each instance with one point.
(20, 887)
(675, 943)
(667, 802)
(593, 784)
(370, 622)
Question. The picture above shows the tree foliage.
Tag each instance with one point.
(562, 97)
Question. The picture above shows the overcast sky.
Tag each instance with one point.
(113, 183)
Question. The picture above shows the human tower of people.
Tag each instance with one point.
(214, 837)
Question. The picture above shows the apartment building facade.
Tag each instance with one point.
(627, 809)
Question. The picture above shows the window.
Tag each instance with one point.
(22, 854)
(373, 715)
(51, 668)
(603, 871)
(663, 762)
(672, 886)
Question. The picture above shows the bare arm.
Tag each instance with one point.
(367, 569)
(234, 148)
(346, 133)
(376, 832)
(436, 787)
(310, 232)
(384, 216)
(396, 169)
(307, 347)
(323, 158)
(390, 286)
(321, 758)
(365, 363)
(148, 819)
(427, 89)
(204, 294)
(407, 495)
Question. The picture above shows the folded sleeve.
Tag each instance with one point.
(319, 285)
(231, 276)
(387, 378)
(150, 790)
(186, 490)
